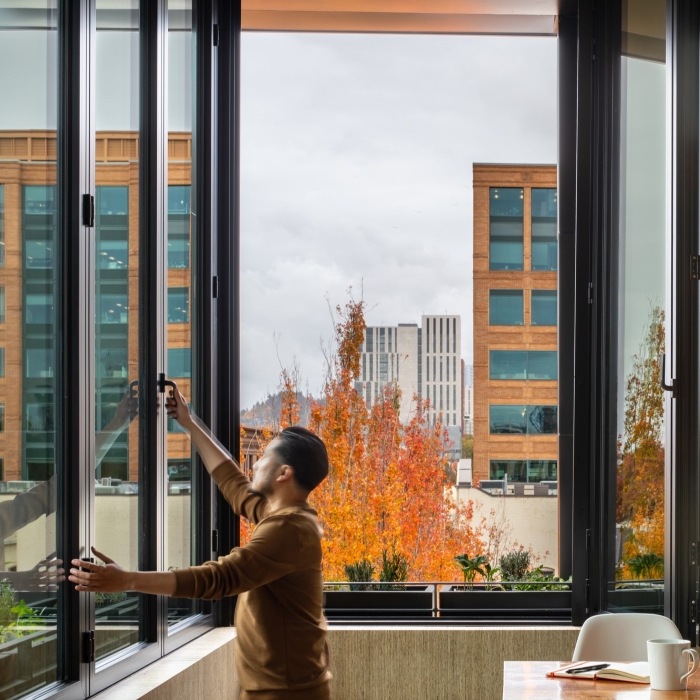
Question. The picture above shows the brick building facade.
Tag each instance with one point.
(515, 333)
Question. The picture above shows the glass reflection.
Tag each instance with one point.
(30, 572)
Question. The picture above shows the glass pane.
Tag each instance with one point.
(118, 491)
(508, 420)
(542, 420)
(541, 364)
(541, 470)
(512, 470)
(544, 229)
(181, 501)
(506, 228)
(636, 581)
(508, 364)
(506, 307)
(29, 331)
(178, 305)
(544, 307)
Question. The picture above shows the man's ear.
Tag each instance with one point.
(286, 473)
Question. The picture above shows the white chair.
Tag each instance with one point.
(621, 636)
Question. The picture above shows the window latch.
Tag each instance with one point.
(88, 210)
(163, 382)
(215, 541)
(89, 647)
(694, 267)
(666, 387)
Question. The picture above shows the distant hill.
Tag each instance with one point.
(267, 412)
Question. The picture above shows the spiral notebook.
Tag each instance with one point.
(637, 672)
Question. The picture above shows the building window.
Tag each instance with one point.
(542, 364)
(2, 304)
(508, 364)
(522, 420)
(39, 363)
(179, 226)
(2, 469)
(544, 307)
(39, 309)
(369, 340)
(2, 417)
(544, 229)
(523, 470)
(178, 305)
(506, 228)
(112, 307)
(2, 362)
(506, 307)
(523, 364)
(180, 362)
(383, 367)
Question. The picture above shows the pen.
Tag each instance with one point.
(585, 669)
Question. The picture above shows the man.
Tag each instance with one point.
(281, 645)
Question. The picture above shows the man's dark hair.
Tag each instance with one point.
(305, 453)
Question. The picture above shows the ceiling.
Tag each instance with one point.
(403, 16)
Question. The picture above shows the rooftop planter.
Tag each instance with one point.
(477, 601)
(412, 601)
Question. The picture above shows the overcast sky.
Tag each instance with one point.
(356, 171)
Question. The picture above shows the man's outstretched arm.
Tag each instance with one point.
(111, 578)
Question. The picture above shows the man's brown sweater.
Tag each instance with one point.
(279, 614)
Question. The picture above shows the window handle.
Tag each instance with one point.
(134, 389)
(163, 382)
(666, 387)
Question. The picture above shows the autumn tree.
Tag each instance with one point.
(641, 456)
(387, 488)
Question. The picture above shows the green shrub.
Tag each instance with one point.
(515, 565)
(394, 568)
(360, 571)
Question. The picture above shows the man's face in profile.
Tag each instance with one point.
(265, 472)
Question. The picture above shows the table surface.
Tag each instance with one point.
(528, 679)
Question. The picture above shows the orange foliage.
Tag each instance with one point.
(387, 487)
(640, 472)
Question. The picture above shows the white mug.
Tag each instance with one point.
(668, 663)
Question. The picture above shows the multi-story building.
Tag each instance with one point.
(515, 322)
(28, 229)
(423, 362)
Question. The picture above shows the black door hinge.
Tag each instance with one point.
(590, 292)
(693, 553)
(89, 647)
(215, 35)
(88, 210)
(215, 287)
(214, 540)
(693, 611)
(589, 537)
(694, 267)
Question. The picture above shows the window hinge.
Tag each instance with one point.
(215, 287)
(694, 267)
(693, 611)
(215, 35)
(590, 292)
(88, 210)
(589, 536)
(693, 553)
(214, 540)
(89, 647)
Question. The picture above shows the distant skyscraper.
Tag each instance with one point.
(422, 361)
(468, 375)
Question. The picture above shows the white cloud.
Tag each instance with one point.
(356, 170)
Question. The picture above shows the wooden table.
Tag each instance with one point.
(528, 679)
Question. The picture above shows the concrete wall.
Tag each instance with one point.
(530, 521)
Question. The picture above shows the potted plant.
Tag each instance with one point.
(391, 597)
(519, 592)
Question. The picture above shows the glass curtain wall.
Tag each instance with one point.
(29, 337)
(636, 580)
(181, 547)
(118, 271)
